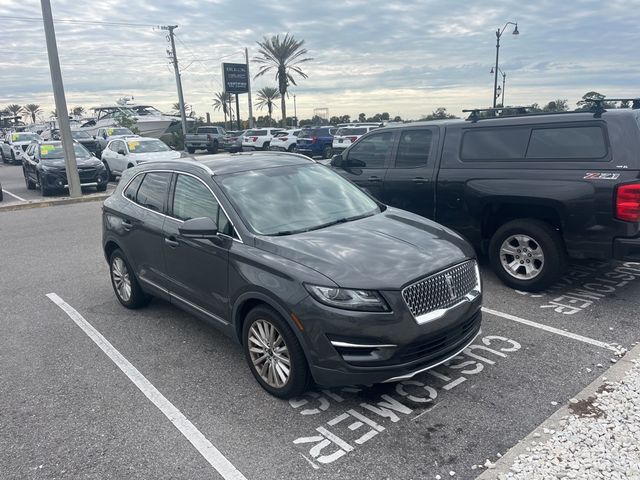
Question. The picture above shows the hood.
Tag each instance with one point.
(85, 162)
(383, 252)
(151, 156)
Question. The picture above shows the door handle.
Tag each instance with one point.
(171, 242)
(127, 225)
(419, 180)
(375, 179)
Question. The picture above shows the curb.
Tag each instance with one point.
(54, 202)
(614, 374)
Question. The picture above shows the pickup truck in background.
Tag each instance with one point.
(205, 138)
(528, 190)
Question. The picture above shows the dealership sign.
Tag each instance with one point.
(235, 77)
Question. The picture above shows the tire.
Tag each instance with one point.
(28, 182)
(43, 190)
(213, 148)
(4, 159)
(1, 194)
(327, 151)
(101, 188)
(120, 272)
(292, 148)
(297, 382)
(13, 157)
(191, 150)
(266, 145)
(533, 248)
(110, 176)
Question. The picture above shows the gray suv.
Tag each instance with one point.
(313, 277)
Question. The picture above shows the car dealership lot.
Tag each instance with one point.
(70, 412)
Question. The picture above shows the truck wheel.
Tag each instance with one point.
(213, 148)
(191, 150)
(527, 254)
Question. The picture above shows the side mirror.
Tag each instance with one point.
(122, 152)
(202, 227)
(337, 161)
(7, 142)
(172, 147)
(94, 137)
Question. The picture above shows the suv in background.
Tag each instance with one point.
(316, 141)
(232, 141)
(14, 145)
(347, 135)
(530, 190)
(285, 141)
(259, 138)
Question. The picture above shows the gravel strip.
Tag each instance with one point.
(600, 438)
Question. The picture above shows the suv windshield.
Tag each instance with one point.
(294, 199)
(53, 151)
(78, 135)
(24, 137)
(118, 131)
(147, 146)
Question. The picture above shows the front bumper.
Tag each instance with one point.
(627, 249)
(308, 152)
(353, 348)
(58, 179)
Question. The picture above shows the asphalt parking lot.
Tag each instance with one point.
(69, 410)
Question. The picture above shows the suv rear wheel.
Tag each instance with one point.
(527, 254)
(274, 354)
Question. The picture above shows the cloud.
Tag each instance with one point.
(404, 57)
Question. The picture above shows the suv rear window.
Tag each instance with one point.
(153, 191)
(256, 133)
(495, 144)
(567, 142)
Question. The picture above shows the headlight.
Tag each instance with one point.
(364, 300)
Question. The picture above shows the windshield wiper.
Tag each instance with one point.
(322, 225)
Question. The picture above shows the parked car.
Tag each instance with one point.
(530, 191)
(232, 141)
(121, 154)
(86, 140)
(259, 138)
(205, 138)
(44, 167)
(285, 141)
(313, 277)
(105, 135)
(316, 141)
(345, 136)
(14, 145)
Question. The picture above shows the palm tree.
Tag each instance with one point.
(284, 57)
(14, 110)
(78, 111)
(266, 96)
(221, 102)
(33, 110)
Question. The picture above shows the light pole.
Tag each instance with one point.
(504, 81)
(499, 33)
(295, 110)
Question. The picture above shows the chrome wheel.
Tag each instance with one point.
(522, 257)
(269, 353)
(121, 279)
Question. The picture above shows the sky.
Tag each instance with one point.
(406, 57)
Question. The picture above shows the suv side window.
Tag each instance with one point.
(153, 191)
(132, 189)
(414, 148)
(192, 199)
(115, 145)
(495, 143)
(567, 143)
(371, 152)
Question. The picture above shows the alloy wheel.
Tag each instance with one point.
(121, 279)
(522, 257)
(269, 353)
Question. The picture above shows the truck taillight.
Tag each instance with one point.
(628, 202)
(314, 140)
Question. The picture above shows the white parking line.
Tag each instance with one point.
(14, 195)
(547, 328)
(211, 454)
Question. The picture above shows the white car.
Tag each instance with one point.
(285, 141)
(346, 136)
(121, 154)
(14, 145)
(259, 138)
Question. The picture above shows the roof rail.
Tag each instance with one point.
(635, 102)
(474, 113)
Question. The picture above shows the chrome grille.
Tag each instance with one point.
(442, 290)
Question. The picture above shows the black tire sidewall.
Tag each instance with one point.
(138, 297)
(551, 244)
(300, 376)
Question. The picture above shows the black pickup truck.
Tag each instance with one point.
(529, 190)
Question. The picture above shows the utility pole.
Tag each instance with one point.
(295, 110)
(246, 56)
(174, 57)
(238, 111)
(71, 167)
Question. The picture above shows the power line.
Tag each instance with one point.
(80, 22)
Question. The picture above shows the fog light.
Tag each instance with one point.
(59, 183)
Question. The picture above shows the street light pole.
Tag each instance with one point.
(295, 110)
(504, 83)
(71, 167)
(174, 58)
(499, 33)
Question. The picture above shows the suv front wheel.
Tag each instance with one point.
(527, 254)
(274, 354)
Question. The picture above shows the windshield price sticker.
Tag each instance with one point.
(45, 149)
(14, 137)
(132, 145)
(109, 131)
